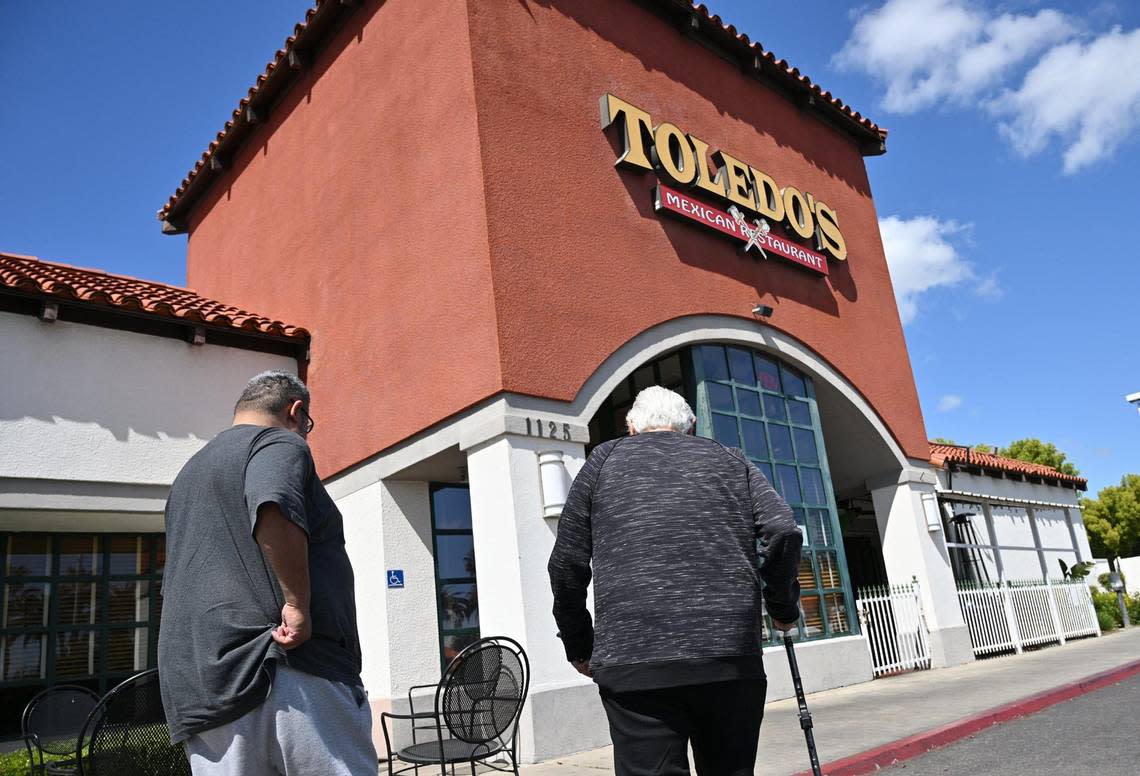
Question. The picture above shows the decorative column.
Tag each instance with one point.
(910, 524)
(518, 484)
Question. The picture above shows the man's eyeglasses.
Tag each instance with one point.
(309, 423)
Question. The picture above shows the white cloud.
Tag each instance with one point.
(929, 51)
(1044, 77)
(949, 402)
(921, 256)
(1087, 95)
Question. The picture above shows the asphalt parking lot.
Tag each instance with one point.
(1095, 733)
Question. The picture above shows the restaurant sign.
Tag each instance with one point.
(755, 201)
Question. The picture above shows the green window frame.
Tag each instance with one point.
(79, 593)
(456, 590)
(749, 399)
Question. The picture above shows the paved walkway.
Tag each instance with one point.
(854, 719)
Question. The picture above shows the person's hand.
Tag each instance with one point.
(783, 627)
(295, 628)
(583, 667)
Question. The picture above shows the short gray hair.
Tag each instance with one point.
(657, 407)
(272, 392)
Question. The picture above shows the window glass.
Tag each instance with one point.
(766, 470)
(78, 603)
(76, 653)
(799, 412)
(713, 361)
(812, 616)
(28, 556)
(128, 601)
(126, 650)
(774, 407)
(767, 373)
(458, 606)
(819, 527)
(720, 397)
(26, 604)
(455, 556)
(755, 444)
(740, 366)
(748, 402)
(794, 384)
(670, 368)
(828, 569)
(451, 508)
(837, 618)
(781, 437)
(454, 644)
(643, 377)
(23, 656)
(126, 554)
(78, 555)
(805, 445)
(724, 430)
(789, 483)
(813, 486)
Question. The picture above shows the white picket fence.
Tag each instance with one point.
(891, 619)
(1018, 615)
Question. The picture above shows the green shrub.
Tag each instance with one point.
(1107, 623)
(1133, 604)
(1107, 609)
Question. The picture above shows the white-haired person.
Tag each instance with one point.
(680, 532)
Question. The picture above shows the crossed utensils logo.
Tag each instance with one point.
(754, 233)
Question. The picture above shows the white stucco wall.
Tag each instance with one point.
(87, 403)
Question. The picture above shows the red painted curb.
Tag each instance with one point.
(920, 743)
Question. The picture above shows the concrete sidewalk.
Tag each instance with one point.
(854, 719)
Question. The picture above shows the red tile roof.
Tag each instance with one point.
(309, 35)
(940, 455)
(31, 276)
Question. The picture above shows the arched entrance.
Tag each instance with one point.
(748, 398)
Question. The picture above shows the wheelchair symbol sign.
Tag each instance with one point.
(395, 578)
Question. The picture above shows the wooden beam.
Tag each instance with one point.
(49, 312)
(198, 335)
(172, 227)
(295, 59)
(251, 115)
(216, 164)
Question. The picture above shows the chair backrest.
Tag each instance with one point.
(55, 717)
(127, 733)
(483, 690)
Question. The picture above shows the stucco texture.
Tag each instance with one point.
(436, 201)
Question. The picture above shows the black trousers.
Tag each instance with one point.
(651, 729)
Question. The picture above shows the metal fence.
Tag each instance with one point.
(1013, 616)
(892, 621)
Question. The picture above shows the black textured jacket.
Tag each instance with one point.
(671, 524)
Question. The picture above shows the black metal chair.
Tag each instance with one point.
(478, 703)
(51, 725)
(127, 734)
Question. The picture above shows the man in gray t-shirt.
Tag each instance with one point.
(258, 651)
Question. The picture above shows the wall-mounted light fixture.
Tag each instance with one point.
(555, 482)
(931, 513)
(762, 311)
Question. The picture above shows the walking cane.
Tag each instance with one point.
(805, 715)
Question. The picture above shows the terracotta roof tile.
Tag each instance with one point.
(708, 23)
(940, 455)
(29, 275)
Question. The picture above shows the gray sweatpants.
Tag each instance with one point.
(307, 726)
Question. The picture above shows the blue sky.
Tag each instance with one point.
(1004, 197)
